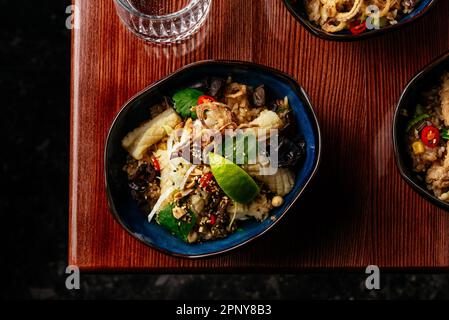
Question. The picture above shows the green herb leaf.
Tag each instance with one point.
(445, 134)
(280, 110)
(184, 101)
(415, 120)
(179, 228)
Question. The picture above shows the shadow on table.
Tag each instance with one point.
(328, 224)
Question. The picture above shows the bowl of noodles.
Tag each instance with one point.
(350, 20)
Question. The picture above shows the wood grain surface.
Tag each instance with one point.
(358, 211)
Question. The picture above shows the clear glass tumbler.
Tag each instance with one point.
(163, 21)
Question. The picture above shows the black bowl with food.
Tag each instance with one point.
(352, 20)
(210, 157)
(420, 132)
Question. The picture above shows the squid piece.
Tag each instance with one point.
(215, 115)
(267, 120)
(151, 132)
(258, 209)
(280, 183)
(345, 16)
(329, 27)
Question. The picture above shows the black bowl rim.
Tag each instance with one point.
(396, 135)
(309, 109)
(349, 37)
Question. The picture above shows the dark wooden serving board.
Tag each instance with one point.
(358, 211)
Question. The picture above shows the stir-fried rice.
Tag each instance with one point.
(428, 139)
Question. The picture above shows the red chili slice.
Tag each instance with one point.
(356, 27)
(156, 164)
(213, 219)
(204, 99)
(430, 136)
(205, 181)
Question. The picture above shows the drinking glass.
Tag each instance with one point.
(163, 21)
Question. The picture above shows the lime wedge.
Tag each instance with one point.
(233, 180)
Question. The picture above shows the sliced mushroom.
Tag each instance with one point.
(259, 96)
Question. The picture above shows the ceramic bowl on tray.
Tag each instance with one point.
(124, 208)
(426, 79)
(297, 9)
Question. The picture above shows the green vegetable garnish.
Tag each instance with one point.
(280, 110)
(414, 121)
(445, 134)
(184, 101)
(179, 228)
(233, 180)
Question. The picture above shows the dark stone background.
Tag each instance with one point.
(34, 82)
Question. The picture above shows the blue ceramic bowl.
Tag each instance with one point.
(422, 82)
(135, 111)
(296, 7)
